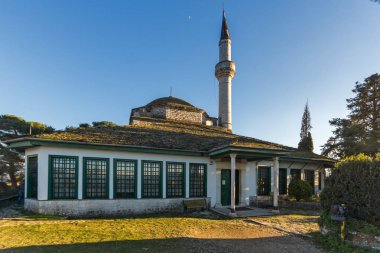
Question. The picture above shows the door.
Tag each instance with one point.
(226, 187)
(32, 177)
(263, 181)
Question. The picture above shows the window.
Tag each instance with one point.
(175, 180)
(125, 173)
(198, 178)
(295, 173)
(309, 177)
(32, 177)
(263, 180)
(320, 180)
(95, 175)
(151, 179)
(63, 177)
(282, 181)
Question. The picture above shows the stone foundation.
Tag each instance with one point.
(105, 207)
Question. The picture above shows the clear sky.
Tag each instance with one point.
(69, 62)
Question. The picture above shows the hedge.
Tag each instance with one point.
(355, 182)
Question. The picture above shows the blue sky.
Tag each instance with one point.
(68, 62)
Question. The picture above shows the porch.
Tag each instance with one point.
(244, 174)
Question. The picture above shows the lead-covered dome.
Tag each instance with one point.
(168, 101)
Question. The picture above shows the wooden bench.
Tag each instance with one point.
(195, 203)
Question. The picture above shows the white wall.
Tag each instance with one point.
(43, 163)
(248, 171)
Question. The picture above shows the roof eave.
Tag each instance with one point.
(25, 143)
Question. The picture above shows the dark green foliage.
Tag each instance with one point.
(306, 142)
(19, 126)
(332, 241)
(356, 183)
(103, 124)
(4, 187)
(84, 125)
(360, 132)
(300, 189)
(11, 161)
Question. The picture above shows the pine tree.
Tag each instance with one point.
(306, 142)
(360, 132)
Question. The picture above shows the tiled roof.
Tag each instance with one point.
(163, 134)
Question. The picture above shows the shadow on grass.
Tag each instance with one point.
(266, 244)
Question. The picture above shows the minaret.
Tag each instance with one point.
(224, 72)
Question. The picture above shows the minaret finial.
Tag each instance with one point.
(225, 34)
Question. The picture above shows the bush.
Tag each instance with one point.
(355, 182)
(300, 189)
(4, 187)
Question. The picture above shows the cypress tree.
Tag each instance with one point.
(306, 142)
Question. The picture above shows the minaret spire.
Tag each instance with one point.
(225, 34)
(224, 72)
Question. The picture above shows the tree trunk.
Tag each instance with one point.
(13, 178)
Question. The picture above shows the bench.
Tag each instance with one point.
(195, 203)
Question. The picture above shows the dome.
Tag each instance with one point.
(168, 100)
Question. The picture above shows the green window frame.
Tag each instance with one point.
(263, 180)
(198, 180)
(125, 178)
(63, 177)
(151, 179)
(32, 187)
(295, 174)
(309, 177)
(175, 180)
(95, 178)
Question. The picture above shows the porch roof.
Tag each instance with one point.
(255, 154)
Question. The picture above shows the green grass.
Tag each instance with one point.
(164, 233)
(332, 241)
(333, 244)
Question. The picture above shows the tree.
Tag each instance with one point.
(13, 123)
(19, 126)
(84, 125)
(11, 163)
(306, 142)
(360, 131)
(103, 124)
(11, 126)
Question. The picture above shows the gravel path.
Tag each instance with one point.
(255, 238)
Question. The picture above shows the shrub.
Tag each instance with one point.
(300, 189)
(355, 182)
(4, 187)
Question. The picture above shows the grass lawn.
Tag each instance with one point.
(202, 232)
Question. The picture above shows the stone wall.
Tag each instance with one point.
(183, 115)
(105, 207)
(172, 113)
(267, 201)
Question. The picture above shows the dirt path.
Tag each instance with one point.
(250, 237)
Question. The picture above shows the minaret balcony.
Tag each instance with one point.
(225, 68)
